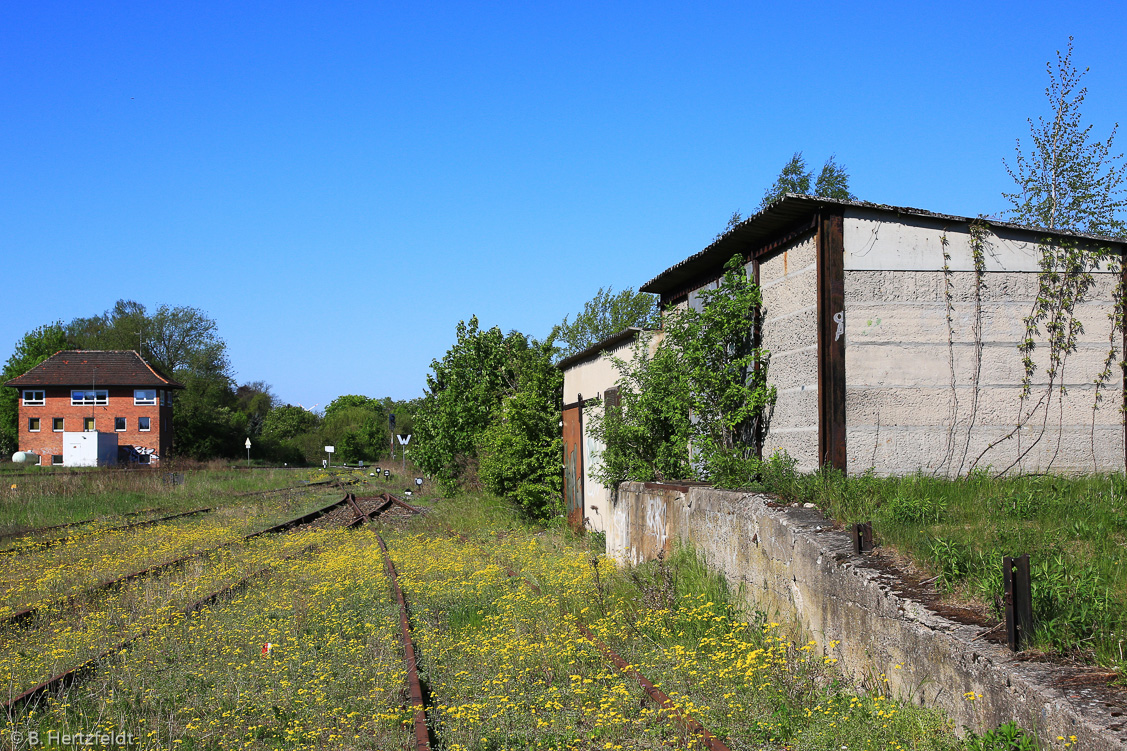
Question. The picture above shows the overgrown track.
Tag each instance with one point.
(28, 613)
(683, 719)
(80, 671)
(45, 544)
(422, 737)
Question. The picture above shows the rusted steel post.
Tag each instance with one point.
(1018, 596)
(863, 537)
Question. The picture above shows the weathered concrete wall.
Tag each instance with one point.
(926, 393)
(789, 283)
(792, 565)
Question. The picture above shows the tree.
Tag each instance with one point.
(35, 347)
(795, 177)
(464, 391)
(698, 407)
(1064, 180)
(357, 426)
(288, 421)
(833, 182)
(603, 315)
(255, 400)
(521, 452)
(175, 339)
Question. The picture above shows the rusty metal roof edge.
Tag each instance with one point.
(793, 206)
(597, 347)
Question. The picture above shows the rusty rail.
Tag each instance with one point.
(45, 544)
(686, 721)
(422, 736)
(78, 673)
(27, 613)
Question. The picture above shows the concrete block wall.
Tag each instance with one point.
(792, 565)
(788, 280)
(926, 394)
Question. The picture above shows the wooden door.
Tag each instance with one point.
(573, 464)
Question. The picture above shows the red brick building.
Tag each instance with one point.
(113, 392)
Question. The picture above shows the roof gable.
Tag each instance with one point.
(94, 368)
(791, 211)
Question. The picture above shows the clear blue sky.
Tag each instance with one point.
(337, 184)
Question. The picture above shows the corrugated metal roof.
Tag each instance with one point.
(792, 208)
(594, 349)
(120, 367)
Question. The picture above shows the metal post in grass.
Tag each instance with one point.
(863, 537)
(1018, 595)
(404, 439)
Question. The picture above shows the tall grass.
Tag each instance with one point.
(43, 497)
(1073, 528)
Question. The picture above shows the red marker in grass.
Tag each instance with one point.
(266, 649)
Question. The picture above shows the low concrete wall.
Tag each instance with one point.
(790, 563)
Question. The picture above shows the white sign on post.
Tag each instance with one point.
(248, 443)
(404, 440)
(330, 449)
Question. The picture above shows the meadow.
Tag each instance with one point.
(305, 653)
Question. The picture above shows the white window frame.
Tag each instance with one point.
(101, 397)
(30, 400)
(57, 460)
(124, 424)
(93, 425)
(144, 401)
(144, 459)
(37, 420)
(58, 430)
(145, 421)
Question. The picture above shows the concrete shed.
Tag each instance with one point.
(588, 377)
(893, 350)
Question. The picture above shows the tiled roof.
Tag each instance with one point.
(94, 368)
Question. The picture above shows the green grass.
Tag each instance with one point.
(1073, 528)
(40, 497)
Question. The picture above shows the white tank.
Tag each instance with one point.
(25, 457)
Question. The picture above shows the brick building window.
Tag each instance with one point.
(143, 459)
(119, 423)
(33, 424)
(143, 424)
(56, 458)
(57, 424)
(90, 396)
(88, 424)
(33, 399)
(143, 397)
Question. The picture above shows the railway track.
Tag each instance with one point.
(683, 719)
(45, 544)
(414, 688)
(26, 614)
(78, 672)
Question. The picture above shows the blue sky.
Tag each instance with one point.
(337, 184)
